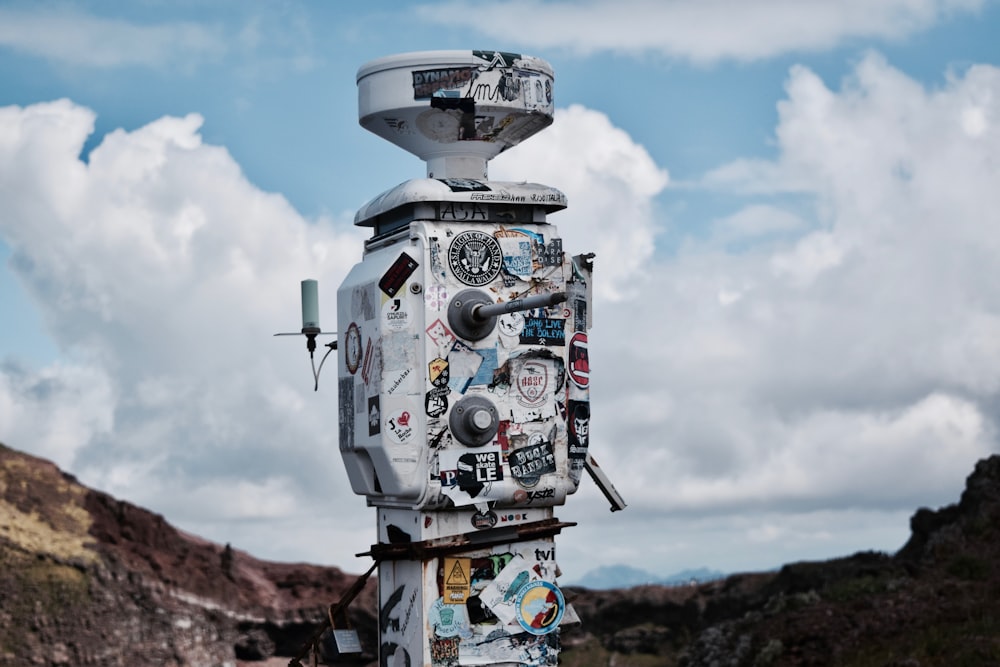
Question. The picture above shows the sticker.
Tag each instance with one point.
(445, 651)
(578, 427)
(500, 595)
(484, 520)
(517, 255)
(374, 416)
(440, 335)
(532, 383)
(399, 382)
(352, 348)
(529, 463)
(478, 468)
(457, 580)
(437, 372)
(346, 404)
(579, 360)
(436, 402)
(363, 302)
(397, 275)
(465, 185)
(486, 369)
(395, 315)
(475, 258)
(540, 606)
(510, 324)
(463, 364)
(427, 82)
(543, 331)
(399, 427)
(551, 253)
(448, 620)
(371, 351)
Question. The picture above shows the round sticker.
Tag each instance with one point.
(475, 258)
(540, 607)
(510, 324)
(399, 426)
(352, 348)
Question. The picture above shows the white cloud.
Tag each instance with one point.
(702, 31)
(610, 182)
(853, 362)
(163, 273)
(803, 368)
(82, 40)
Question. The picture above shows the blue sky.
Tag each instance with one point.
(793, 204)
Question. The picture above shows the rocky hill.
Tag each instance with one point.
(89, 580)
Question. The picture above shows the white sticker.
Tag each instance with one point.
(395, 314)
(400, 426)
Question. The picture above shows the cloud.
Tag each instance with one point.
(825, 357)
(70, 37)
(162, 273)
(850, 362)
(702, 31)
(610, 182)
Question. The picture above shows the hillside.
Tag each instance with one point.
(89, 580)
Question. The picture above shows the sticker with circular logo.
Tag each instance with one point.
(510, 324)
(399, 426)
(352, 348)
(540, 606)
(475, 258)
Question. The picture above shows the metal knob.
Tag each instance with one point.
(474, 421)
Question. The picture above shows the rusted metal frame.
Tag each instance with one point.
(479, 539)
(334, 609)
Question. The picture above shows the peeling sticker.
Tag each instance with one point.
(346, 396)
(448, 620)
(463, 364)
(487, 368)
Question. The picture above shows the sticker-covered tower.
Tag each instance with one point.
(463, 372)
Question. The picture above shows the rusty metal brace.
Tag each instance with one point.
(332, 611)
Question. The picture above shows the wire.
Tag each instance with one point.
(312, 360)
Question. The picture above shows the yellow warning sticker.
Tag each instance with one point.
(457, 580)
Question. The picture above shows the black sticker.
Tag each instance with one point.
(543, 331)
(475, 258)
(397, 275)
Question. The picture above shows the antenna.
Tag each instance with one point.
(311, 328)
(455, 109)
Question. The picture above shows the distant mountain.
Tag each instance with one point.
(625, 576)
